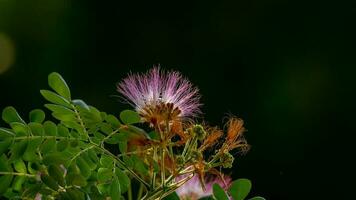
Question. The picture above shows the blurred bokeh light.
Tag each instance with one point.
(7, 53)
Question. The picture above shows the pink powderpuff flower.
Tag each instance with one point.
(193, 190)
(159, 96)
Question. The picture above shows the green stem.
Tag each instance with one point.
(109, 136)
(186, 148)
(79, 153)
(161, 192)
(45, 137)
(80, 120)
(214, 158)
(18, 174)
(180, 171)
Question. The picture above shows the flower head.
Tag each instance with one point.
(159, 95)
(193, 189)
(234, 138)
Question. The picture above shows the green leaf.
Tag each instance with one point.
(76, 179)
(257, 198)
(57, 174)
(73, 125)
(123, 146)
(36, 128)
(30, 153)
(62, 145)
(84, 167)
(6, 133)
(20, 129)
(139, 165)
(18, 149)
(55, 158)
(95, 114)
(49, 145)
(63, 131)
(65, 117)
(133, 130)
(20, 166)
(124, 180)
(128, 161)
(154, 135)
(106, 128)
(93, 156)
(103, 188)
(104, 174)
(5, 180)
(37, 115)
(74, 143)
(75, 193)
(114, 139)
(59, 109)
(9, 115)
(57, 83)
(111, 119)
(17, 183)
(33, 167)
(31, 191)
(240, 188)
(80, 103)
(50, 182)
(50, 128)
(130, 117)
(4, 145)
(115, 190)
(91, 163)
(106, 161)
(219, 193)
(55, 98)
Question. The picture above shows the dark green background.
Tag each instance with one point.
(287, 68)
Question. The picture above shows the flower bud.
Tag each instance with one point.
(199, 131)
(190, 132)
(227, 159)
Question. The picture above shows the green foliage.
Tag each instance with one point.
(57, 83)
(240, 188)
(219, 193)
(37, 115)
(115, 190)
(55, 98)
(130, 117)
(67, 158)
(9, 115)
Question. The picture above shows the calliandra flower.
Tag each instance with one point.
(193, 189)
(160, 96)
(212, 138)
(234, 138)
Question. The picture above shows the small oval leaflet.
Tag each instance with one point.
(219, 193)
(240, 188)
(130, 117)
(57, 83)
